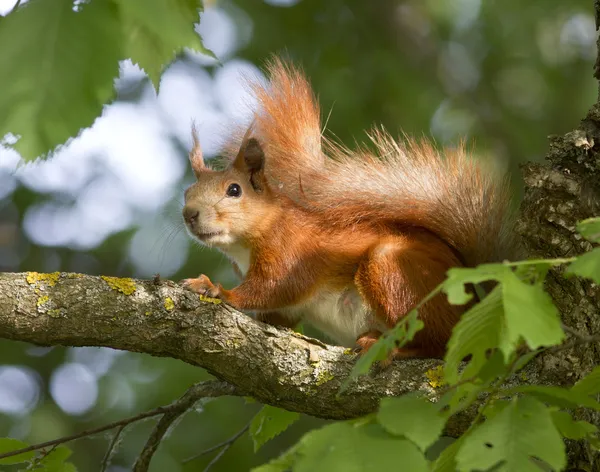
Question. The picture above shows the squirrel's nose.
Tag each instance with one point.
(190, 215)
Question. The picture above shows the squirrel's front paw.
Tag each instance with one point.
(202, 285)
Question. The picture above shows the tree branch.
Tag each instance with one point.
(162, 319)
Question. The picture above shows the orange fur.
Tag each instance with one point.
(350, 241)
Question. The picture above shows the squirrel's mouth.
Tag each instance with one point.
(207, 235)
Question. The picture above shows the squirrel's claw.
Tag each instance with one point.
(202, 285)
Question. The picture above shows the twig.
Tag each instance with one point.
(111, 449)
(213, 388)
(224, 446)
(176, 409)
(580, 338)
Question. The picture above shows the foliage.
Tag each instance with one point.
(269, 422)
(525, 433)
(50, 460)
(58, 69)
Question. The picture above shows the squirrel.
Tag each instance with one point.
(348, 241)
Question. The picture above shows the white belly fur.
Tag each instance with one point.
(240, 255)
(342, 316)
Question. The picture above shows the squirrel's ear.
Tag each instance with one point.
(251, 159)
(196, 158)
(254, 156)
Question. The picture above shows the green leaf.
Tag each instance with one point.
(57, 456)
(56, 70)
(590, 229)
(344, 447)
(54, 461)
(482, 377)
(282, 463)
(570, 428)
(155, 31)
(562, 397)
(590, 384)
(510, 439)
(8, 445)
(413, 417)
(587, 265)
(269, 422)
(530, 314)
(525, 359)
(454, 285)
(477, 331)
(446, 462)
(398, 336)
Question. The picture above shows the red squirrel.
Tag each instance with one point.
(348, 241)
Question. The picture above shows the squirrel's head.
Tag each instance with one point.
(231, 206)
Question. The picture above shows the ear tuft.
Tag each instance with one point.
(196, 158)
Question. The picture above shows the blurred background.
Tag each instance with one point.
(505, 74)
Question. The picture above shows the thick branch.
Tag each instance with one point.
(277, 367)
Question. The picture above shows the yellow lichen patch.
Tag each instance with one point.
(324, 377)
(42, 300)
(49, 279)
(169, 304)
(216, 301)
(436, 376)
(148, 313)
(349, 351)
(124, 285)
(54, 313)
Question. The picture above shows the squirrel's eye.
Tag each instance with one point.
(234, 190)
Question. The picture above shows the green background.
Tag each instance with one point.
(505, 74)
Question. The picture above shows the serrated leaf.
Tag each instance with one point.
(398, 336)
(509, 441)
(56, 70)
(10, 444)
(590, 384)
(590, 229)
(413, 417)
(530, 314)
(478, 330)
(454, 285)
(269, 422)
(156, 31)
(587, 265)
(344, 447)
(570, 428)
(562, 397)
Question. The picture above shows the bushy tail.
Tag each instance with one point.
(456, 196)
(407, 181)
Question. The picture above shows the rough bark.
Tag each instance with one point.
(275, 366)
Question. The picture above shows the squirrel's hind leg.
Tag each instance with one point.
(394, 277)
